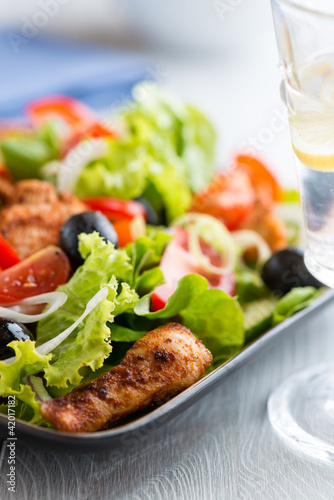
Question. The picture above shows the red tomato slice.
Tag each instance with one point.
(8, 256)
(230, 197)
(177, 262)
(73, 112)
(116, 209)
(41, 273)
(261, 178)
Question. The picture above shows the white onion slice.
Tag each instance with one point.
(48, 346)
(55, 299)
(246, 239)
(53, 343)
(196, 224)
(69, 169)
(36, 383)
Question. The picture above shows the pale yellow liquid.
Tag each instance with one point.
(310, 101)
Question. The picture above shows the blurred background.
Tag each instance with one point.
(218, 54)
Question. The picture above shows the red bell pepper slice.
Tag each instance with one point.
(116, 209)
(128, 230)
(8, 256)
(77, 115)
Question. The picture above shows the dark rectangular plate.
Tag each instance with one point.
(143, 424)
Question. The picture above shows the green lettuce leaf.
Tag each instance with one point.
(249, 286)
(25, 155)
(295, 301)
(119, 333)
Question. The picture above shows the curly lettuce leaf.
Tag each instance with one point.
(121, 173)
(88, 344)
(125, 300)
(102, 264)
(212, 315)
(129, 171)
(177, 133)
(199, 140)
(14, 379)
(167, 185)
(145, 254)
(166, 154)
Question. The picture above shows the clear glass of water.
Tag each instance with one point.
(302, 409)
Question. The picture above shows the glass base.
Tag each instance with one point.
(301, 410)
(322, 273)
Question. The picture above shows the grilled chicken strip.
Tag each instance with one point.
(33, 215)
(161, 364)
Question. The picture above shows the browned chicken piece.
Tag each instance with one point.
(6, 190)
(33, 215)
(269, 226)
(161, 364)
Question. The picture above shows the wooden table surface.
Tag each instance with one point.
(221, 448)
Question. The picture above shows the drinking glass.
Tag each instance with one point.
(302, 408)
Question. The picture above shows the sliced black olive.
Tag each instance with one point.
(86, 222)
(286, 270)
(9, 331)
(151, 214)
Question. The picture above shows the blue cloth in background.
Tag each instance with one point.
(98, 76)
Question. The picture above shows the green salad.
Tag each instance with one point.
(143, 231)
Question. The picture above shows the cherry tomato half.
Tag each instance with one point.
(41, 273)
(229, 197)
(177, 262)
(261, 178)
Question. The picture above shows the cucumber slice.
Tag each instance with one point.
(258, 317)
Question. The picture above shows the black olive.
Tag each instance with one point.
(286, 270)
(151, 214)
(9, 331)
(86, 222)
